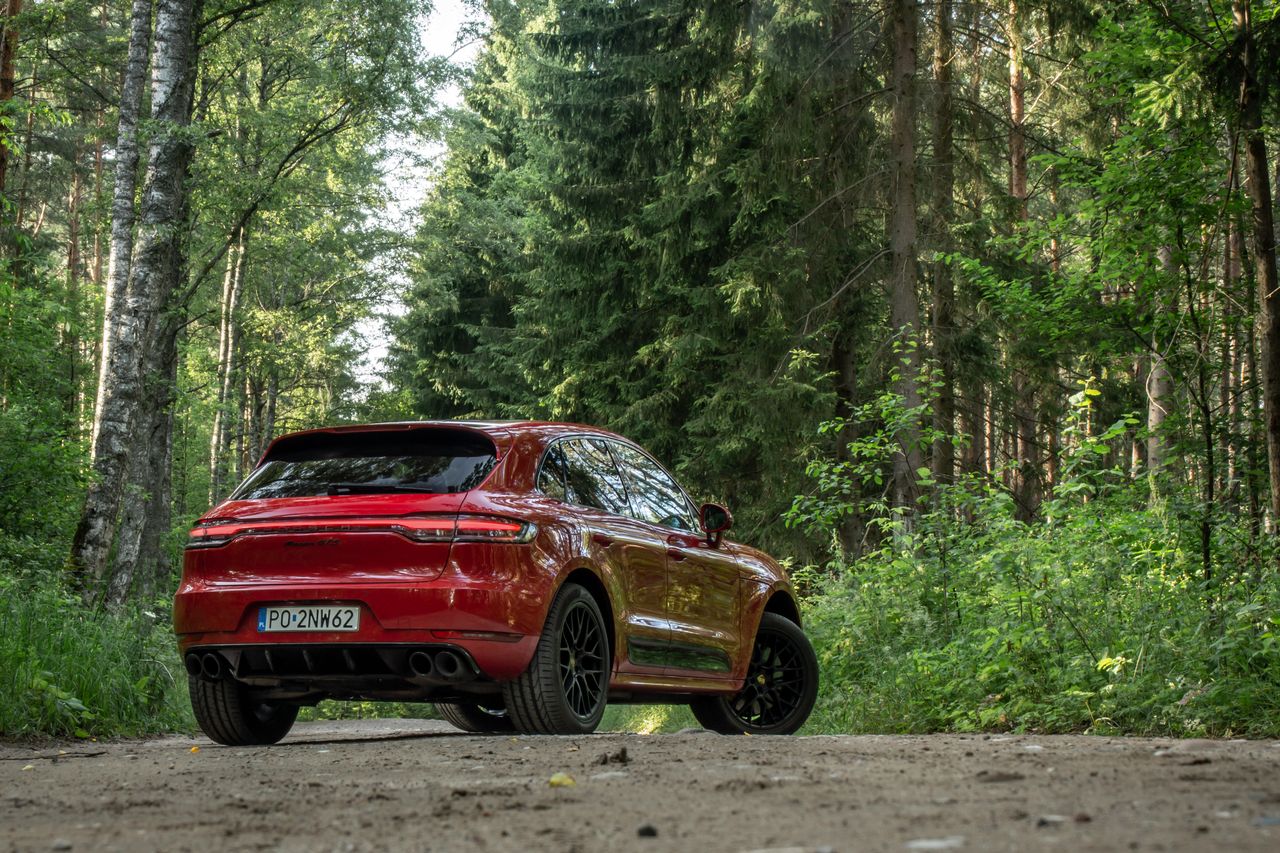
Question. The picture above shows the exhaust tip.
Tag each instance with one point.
(421, 665)
(193, 665)
(451, 666)
(212, 666)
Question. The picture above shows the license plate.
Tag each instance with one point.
(309, 617)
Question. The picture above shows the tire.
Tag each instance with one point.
(228, 713)
(475, 718)
(779, 691)
(565, 688)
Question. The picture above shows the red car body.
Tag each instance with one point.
(474, 572)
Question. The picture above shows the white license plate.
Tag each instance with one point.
(309, 617)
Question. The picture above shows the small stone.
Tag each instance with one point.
(951, 842)
(647, 830)
(60, 844)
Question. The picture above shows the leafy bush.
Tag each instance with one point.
(70, 671)
(1100, 618)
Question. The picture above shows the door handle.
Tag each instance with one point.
(601, 539)
(675, 554)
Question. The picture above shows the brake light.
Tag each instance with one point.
(422, 529)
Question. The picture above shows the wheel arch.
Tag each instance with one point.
(783, 603)
(592, 583)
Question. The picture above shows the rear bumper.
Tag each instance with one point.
(219, 616)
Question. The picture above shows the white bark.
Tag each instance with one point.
(1159, 384)
(228, 345)
(151, 279)
(126, 182)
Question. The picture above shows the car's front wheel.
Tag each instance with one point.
(565, 687)
(229, 714)
(475, 718)
(780, 688)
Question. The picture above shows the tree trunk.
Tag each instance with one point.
(1026, 444)
(944, 293)
(141, 307)
(122, 199)
(1159, 383)
(71, 341)
(904, 309)
(228, 346)
(973, 460)
(269, 419)
(1233, 362)
(1258, 181)
(138, 562)
(8, 81)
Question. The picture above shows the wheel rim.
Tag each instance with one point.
(582, 661)
(775, 683)
(264, 712)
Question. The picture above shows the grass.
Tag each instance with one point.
(68, 671)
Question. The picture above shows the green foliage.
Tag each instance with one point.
(67, 670)
(336, 710)
(1096, 620)
(40, 477)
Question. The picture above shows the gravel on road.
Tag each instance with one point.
(420, 786)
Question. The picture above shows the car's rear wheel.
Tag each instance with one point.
(780, 688)
(474, 717)
(230, 714)
(565, 687)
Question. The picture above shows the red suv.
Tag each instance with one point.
(519, 575)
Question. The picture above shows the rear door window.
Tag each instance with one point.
(551, 476)
(591, 477)
(655, 496)
(433, 461)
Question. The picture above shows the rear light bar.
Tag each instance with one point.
(465, 528)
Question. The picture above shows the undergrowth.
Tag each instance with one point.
(67, 670)
(1127, 608)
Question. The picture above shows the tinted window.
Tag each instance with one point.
(551, 477)
(421, 460)
(655, 497)
(591, 478)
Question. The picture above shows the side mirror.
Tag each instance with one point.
(715, 521)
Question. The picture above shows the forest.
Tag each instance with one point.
(968, 310)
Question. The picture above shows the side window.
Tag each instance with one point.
(551, 477)
(591, 477)
(655, 497)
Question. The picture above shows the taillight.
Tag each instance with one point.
(480, 529)
(467, 528)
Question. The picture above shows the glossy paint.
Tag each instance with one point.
(686, 602)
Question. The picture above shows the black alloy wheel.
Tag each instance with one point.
(566, 685)
(780, 688)
(475, 717)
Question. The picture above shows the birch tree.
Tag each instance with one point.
(138, 311)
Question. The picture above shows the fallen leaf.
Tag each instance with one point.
(561, 780)
(29, 767)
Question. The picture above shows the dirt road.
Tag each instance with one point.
(412, 785)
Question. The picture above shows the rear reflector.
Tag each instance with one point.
(497, 636)
(466, 528)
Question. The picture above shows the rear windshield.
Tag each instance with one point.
(437, 461)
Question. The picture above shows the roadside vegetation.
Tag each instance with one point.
(964, 308)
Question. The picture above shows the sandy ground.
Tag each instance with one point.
(415, 785)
